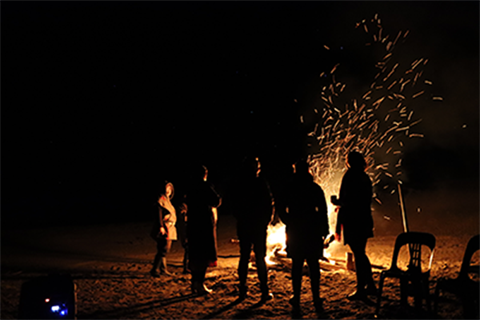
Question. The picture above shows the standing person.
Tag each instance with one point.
(181, 209)
(306, 220)
(163, 230)
(253, 210)
(202, 201)
(355, 219)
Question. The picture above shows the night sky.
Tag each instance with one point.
(101, 100)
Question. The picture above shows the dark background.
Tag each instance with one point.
(102, 100)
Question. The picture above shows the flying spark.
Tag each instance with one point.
(384, 116)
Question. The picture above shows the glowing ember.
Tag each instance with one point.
(377, 122)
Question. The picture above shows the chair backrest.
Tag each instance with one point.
(472, 246)
(414, 240)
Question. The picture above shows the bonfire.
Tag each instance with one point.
(378, 123)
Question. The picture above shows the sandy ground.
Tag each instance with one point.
(110, 265)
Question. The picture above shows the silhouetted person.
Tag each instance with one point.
(179, 202)
(306, 220)
(253, 209)
(181, 208)
(163, 230)
(355, 218)
(202, 201)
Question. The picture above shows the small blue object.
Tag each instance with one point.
(62, 310)
(48, 297)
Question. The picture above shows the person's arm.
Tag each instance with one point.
(269, 203)
(338, 226)
(323, 211)
(213, 198)
(161, 215)
(344, 193)
(338, 212)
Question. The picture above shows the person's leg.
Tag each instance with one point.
(198, 269)
(163, 262)
(185, 258)
(260, 249)
(367, 274)
(362, 266)
(161, 243)
(314, 271)
(358, 250)
(196, 276)
(297, 266)
(202, 289)
(245, 249)
(192, 265)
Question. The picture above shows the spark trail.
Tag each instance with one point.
(378, 122)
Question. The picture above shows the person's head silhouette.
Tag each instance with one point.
(355, 160)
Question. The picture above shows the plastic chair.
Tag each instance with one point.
(412, 278)
(462, 286)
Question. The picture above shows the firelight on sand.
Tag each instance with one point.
(377, 123)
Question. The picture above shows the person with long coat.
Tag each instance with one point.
(202, 202)
(355, 220)
(306, 219)
(253, 209)
(163, 230)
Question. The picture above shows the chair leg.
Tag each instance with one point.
(419, 293)
(428, 300)
(404, 291)
(436, 296)
(379, 293)
(476, 310)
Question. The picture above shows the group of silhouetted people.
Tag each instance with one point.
(198, 218)
(301, 206)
